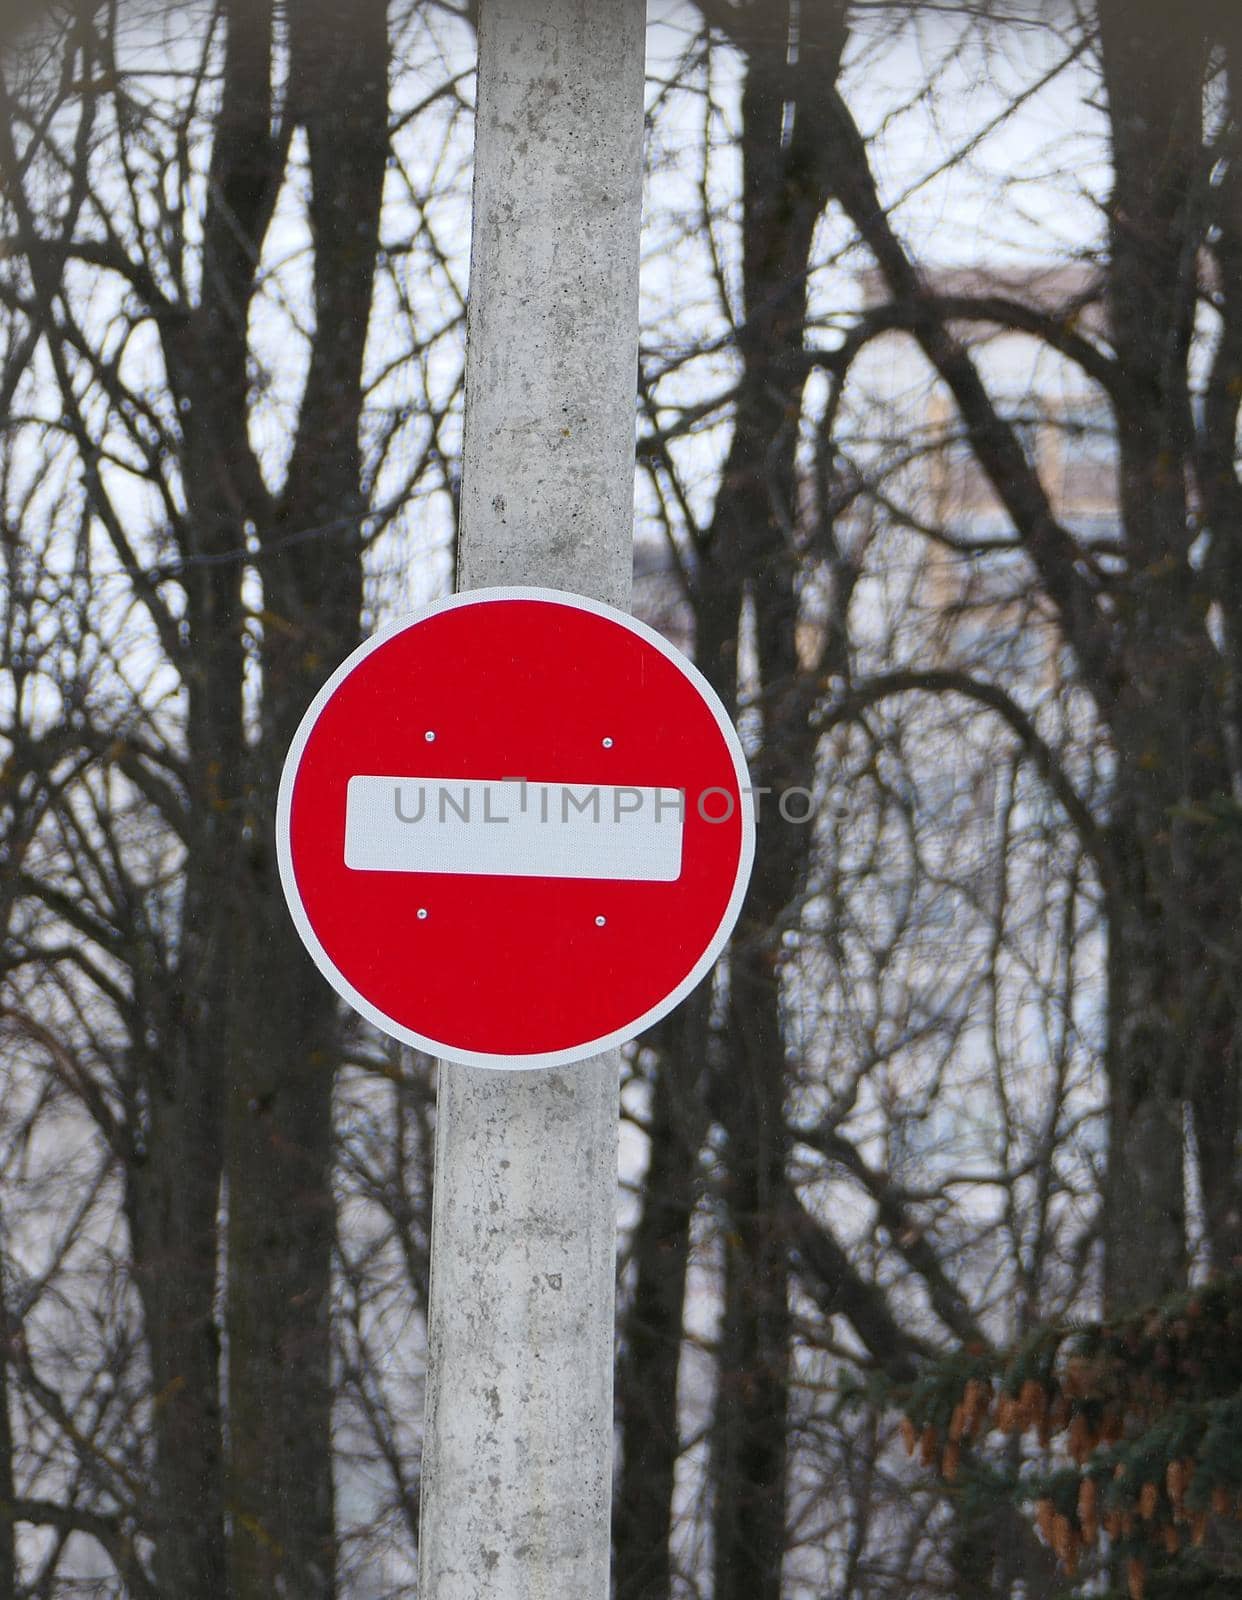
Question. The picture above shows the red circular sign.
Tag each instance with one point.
(516, 829)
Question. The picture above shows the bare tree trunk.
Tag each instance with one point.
(750, 1434)
(1216, 1092)
(175, 1201)
(279, 1114)
(8, 1544)
(647, 1372)
(172, 1205)
(751, 559)
(1172, 998)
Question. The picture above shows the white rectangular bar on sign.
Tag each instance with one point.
(513, 827)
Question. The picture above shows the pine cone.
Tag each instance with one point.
(1088, 1521)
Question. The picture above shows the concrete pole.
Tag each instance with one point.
(517, 1462)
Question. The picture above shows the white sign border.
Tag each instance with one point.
(482, 1058)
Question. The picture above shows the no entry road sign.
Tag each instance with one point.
(515, 829)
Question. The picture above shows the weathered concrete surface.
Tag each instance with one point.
(517, 1456)
(552, 359)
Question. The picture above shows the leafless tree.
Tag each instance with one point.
(201, 447)
(974, 1041)
(1092, 884)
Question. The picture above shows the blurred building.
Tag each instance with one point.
(984, 609)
